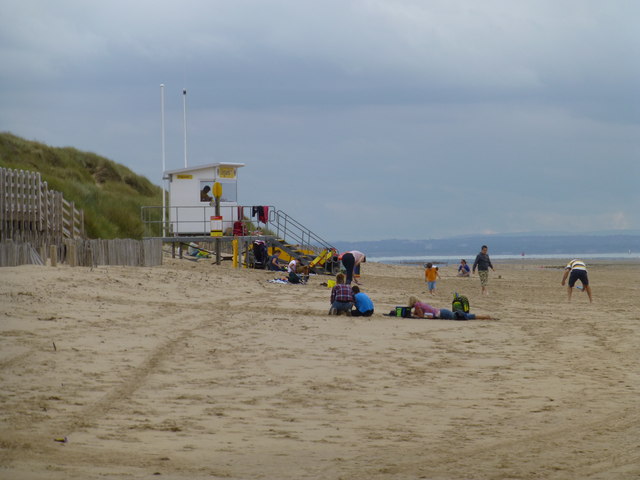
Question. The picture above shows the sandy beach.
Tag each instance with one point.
(192, 370)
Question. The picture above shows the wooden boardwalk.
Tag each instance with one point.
(31, 212)
(38, 225)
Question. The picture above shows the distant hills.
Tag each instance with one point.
(505, 244)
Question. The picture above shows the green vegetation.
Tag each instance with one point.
(109, 193)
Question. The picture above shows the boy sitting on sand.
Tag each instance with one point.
(363, 304)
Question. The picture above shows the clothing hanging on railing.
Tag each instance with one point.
(261, 212)
(239, 229)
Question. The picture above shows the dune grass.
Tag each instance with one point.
(110, 194)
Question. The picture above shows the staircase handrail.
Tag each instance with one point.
(290, 229)
(279, 224)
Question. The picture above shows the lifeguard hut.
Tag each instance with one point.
(190, 216)
(191, 200)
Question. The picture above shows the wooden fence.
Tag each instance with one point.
(14, 254)
(118, 251)
(38, 225)
(85, 253)
(30, 212)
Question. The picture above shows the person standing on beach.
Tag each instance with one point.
(483, 264)
(431, 274)
(351, 261)
(576, 270)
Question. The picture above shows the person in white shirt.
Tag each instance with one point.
(576, 270)
(351, 261)
(293, 265)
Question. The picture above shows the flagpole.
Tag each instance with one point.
(164, 165)
(184, 108)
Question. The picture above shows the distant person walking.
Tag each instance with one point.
(483, 264)
(576, 270)
(351, 262)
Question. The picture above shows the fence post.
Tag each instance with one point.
(234, 244)
(53, 254)
(72, 254)
(246, 253)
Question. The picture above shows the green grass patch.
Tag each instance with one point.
(110, 194)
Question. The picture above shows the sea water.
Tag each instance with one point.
(447, 259)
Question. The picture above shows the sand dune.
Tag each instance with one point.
(193, 370)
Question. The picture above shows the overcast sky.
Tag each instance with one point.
(363, 119)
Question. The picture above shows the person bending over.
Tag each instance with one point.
(351, 262)
(576, 270)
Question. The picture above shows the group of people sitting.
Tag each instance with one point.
(353, 302)
(350, 300)
(296, 271)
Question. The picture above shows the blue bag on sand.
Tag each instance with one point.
(403, 312)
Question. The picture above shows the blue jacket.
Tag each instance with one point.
(363, 302)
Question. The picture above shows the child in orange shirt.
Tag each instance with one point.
(431, 275)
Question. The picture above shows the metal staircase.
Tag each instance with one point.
(299, 241)
(280, 231)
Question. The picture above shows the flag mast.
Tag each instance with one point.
(184, 108)
(164, 164)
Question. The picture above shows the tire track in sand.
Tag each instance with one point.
(130, 384)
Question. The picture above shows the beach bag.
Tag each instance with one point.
(460, 302)
(404, 312)
(293, 278)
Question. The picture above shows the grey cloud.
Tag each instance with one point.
(403, 110)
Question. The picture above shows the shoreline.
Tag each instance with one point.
(505, 259)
